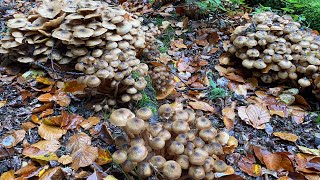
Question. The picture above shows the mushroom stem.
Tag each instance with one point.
(116, 89)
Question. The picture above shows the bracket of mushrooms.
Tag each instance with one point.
(183, 144)
(100, 40)
(277, 49)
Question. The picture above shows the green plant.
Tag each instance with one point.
(210, 5)
(214, 91)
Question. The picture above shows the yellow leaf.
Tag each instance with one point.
(36, 153)
(48, 145)
(9, 175)
(65, 159)
(306, 150)
(3, 103)
(110, 177)
(286, 136)
(104, 156)
(45, 80)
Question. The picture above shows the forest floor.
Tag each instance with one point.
(193, 49)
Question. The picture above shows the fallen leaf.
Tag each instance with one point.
(88, 123)
(297, 114)
(3, 103)
(110, 177)
(228, 172)
(47, 145)
(52, 173)
(65, 159)
(249, 166)
(300, 100)
(47, 97)
(254, 115)
(278, 109)
(96, 176)
(228, 123)
(45, 113)
(84, 157)
(36, 153)
(62, 99)
(13, 138)
(28, 125)
(200, 105)
(9, 175)
(165, 25)
(42, 108)
(26, 170)
(45, 80)
(78, 141)
(104, 157)
(234, 77)
(73, 87)
(306, 150)
(286, 136)
(229, 112)
(169, 90)
(50, 132)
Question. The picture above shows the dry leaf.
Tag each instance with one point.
(36, 153)
(254, 115)
(25, 170)
(9, 175)
(278, 162)
(88, 123)
(65, 159)
(45, 113)
(84, 157)
(96, 176)
(47, 97)
(13, 139)
(62, 99)
(3, 103)
(202, 106)
(28, 125)
(249, 166)
(229, 112)
(73, 87)
(228, 123)
(286, 136)
(228, 172)
(297, 114)
(50, 132)
(48, 145)
(104, 156)
(52, 173)
(306, 150)
(78, 141)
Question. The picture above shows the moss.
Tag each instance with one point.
(311, 10)
(215, 92)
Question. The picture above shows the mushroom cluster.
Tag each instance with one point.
(101, 40)
(277, 49)
(183, 144)
(161, 78)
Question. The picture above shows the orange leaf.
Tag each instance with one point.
(254, 115)
(62, 99)
(45, 113)
(88, 123)
(84, 157)
(249, 167)
(47, 145)
(232, 76)
(28, 125)
(104, 157)
(278, 162)
(52, 173)
(229, 123)
(47, 97)
(202, 106)
(50, 132)
(9, 175)
(78, 141)
(45, 80)
(213, 37)
(65, 159)
(42, 108)
(73, 86)
(286, 136)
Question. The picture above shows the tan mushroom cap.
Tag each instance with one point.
(83, 32)
(124, 28)
(93, 42)
(108, 25)
(49, 10)
(262, 27)
(120, 116)
(61, 34)
(99, 32)
(137, 153)
(79, 51)
(25, 59)
(74, 16)
(171, 170)
(17, 23)
(114, 37)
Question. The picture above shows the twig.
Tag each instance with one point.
(57, 71)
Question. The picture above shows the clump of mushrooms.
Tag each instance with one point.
(181, 144)
(101, 40)
(161, 78)
(276, 49)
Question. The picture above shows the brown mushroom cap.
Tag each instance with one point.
(135, 125)
(158, 161)
(171, 170)
(176, 148)
(120, 116)
(144, 113)
(120, 156)
(196, 172)
(220, 166)
(137, 153)
(183, 161)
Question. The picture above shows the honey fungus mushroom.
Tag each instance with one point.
(276, 50)
(183, 144)
(101, 40)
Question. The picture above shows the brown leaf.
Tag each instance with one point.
(84, 157)
(47, 145)
(297, 114)
(73, 86)
(26, 170)
(104, 156)
(234, 77)
(78, 141)
(36, 153)
(200, 105)
(47, 97)
(300, 100)
(62, 99)
(50, 132)
(254, 115)
(28, 125)
(213, 37)
(9, 175)
(96, 176)
(306, 150)
(13, 139)
(65, 159)
(278, 162)
(88, 123)
(228, 123)
(229, 112)
(45, 113)
(250, 167)
(45, 80)
(52, 173)
(42, 108)
(286, 136)
(278, 109)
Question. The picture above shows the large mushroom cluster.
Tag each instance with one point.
(101, 40)
(183, 144)
(277, 49)
(161, 78)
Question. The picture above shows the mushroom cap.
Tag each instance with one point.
(157, 143)
(93, 81)
(220, 166)
(222, 138)
(144, 169)
(119, 156)
(83, 32)
(137, 153)
(176, 148)
(304, 82)
(180, 126)
(171, 170)
(49, 10)
(25, 59)
(135, 125)
(262, 27)
(253, 53)
(144, 113)
(61, 34)
(203, 123)
(108, 25)
(114, 37)
(17, 23)
(158, 161)
(180, 115)
(120, 117)
(207, 134)
(198, 157)
(183, 161)
(124, 27)
(196, 172)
